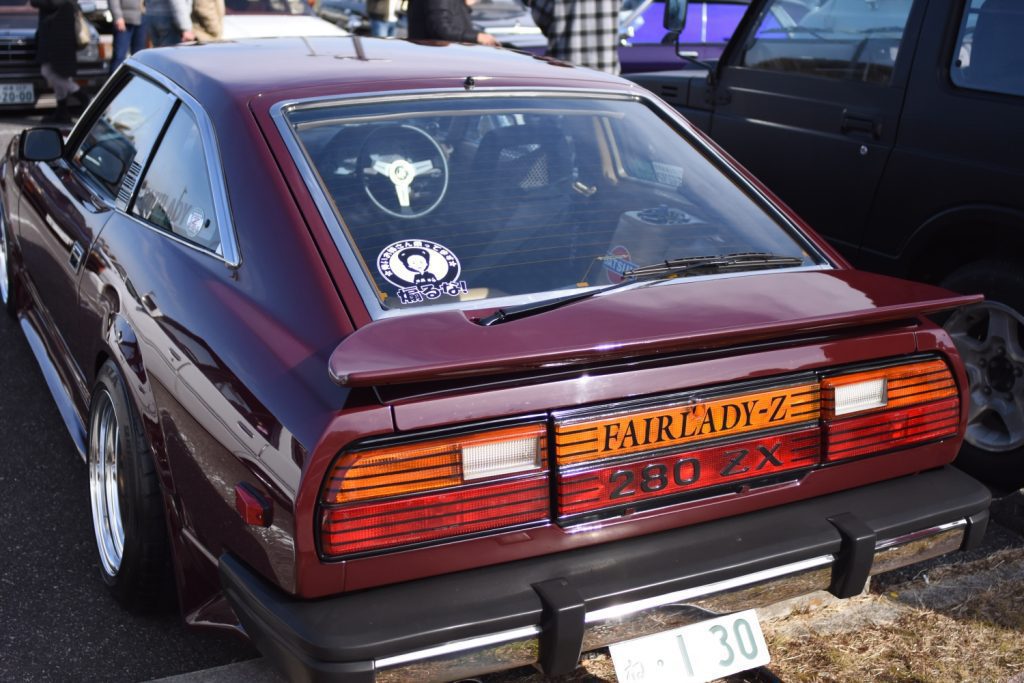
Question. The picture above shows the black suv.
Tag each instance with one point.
(896, 128)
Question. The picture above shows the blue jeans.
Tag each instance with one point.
(128, 42)
(382, 29)
(162, 29)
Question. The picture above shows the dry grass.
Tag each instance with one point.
(919, 645)
(958, 622)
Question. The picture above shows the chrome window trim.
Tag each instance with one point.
(80, 129)
(354, 262)
(214, 169)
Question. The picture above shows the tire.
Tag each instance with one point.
(126, 501)
(6, 283)
(990, 339)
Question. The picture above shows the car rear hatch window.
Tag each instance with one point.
(488, 200)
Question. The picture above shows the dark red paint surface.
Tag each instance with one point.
(229, 367)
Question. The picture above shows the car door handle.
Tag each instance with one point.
(852, 123)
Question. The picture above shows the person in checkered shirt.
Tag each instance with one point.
(584, 32)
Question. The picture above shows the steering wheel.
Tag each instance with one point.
(403, 170)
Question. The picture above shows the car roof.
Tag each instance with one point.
(284, 68)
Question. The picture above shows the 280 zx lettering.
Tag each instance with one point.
(655, 477)
(686, 472)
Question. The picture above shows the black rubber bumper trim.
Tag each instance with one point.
(340, 637)
(856, 555)
(561, 635)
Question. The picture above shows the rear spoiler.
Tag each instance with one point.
(700, 314)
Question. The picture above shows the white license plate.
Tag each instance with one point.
(17, 93)
(700, 652)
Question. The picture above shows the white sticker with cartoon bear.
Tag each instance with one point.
(421, 269)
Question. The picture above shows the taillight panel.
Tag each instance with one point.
(619, 483)
(409, 493)
(422, 518)
(630, 456)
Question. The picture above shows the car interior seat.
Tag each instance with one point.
(997, 54)
(524, 176)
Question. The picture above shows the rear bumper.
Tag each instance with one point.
(548, 609)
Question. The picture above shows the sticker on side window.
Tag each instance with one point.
(421, 270)
(195, 222)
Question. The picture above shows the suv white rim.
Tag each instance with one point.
(988, 336)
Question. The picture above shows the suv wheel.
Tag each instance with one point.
(990, 339)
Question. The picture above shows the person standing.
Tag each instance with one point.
(207, 19)
(129, 30)
(583, 32)
(444, 20)
(383, 17)
(56, 45)
(169, 22)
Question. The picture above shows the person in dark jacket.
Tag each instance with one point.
(55, 51)
(444, 20)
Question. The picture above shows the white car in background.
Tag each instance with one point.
(271, 18)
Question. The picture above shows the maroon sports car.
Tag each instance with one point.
(413, 362)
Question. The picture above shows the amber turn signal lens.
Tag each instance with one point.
(436, 464)
(886, 409)
(899, 386)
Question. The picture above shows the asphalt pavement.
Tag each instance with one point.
(57, 621)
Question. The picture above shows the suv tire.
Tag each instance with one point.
(990, 339)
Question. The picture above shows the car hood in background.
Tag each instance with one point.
(700, 314)
(18, 24)
(277, 25)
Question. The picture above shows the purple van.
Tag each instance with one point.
(648, 46)
(645, 44)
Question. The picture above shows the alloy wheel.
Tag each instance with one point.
(104, 447)
(988, 336)
(5, 285)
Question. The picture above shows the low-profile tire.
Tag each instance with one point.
(127, 505)
(6, 282)
(990, 339)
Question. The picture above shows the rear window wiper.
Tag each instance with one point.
(665, 270)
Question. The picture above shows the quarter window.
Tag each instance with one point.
(852, 40)
(124, 133)
(175, 194)
(989, 51)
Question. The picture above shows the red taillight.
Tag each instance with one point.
(397, 494)
(426, 490)
(416, 519)
(885, 409)
(632, 482)
(889, 430)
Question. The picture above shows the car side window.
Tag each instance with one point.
(853, 40)
(989, 51)
(175, 194)
(123, 135)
